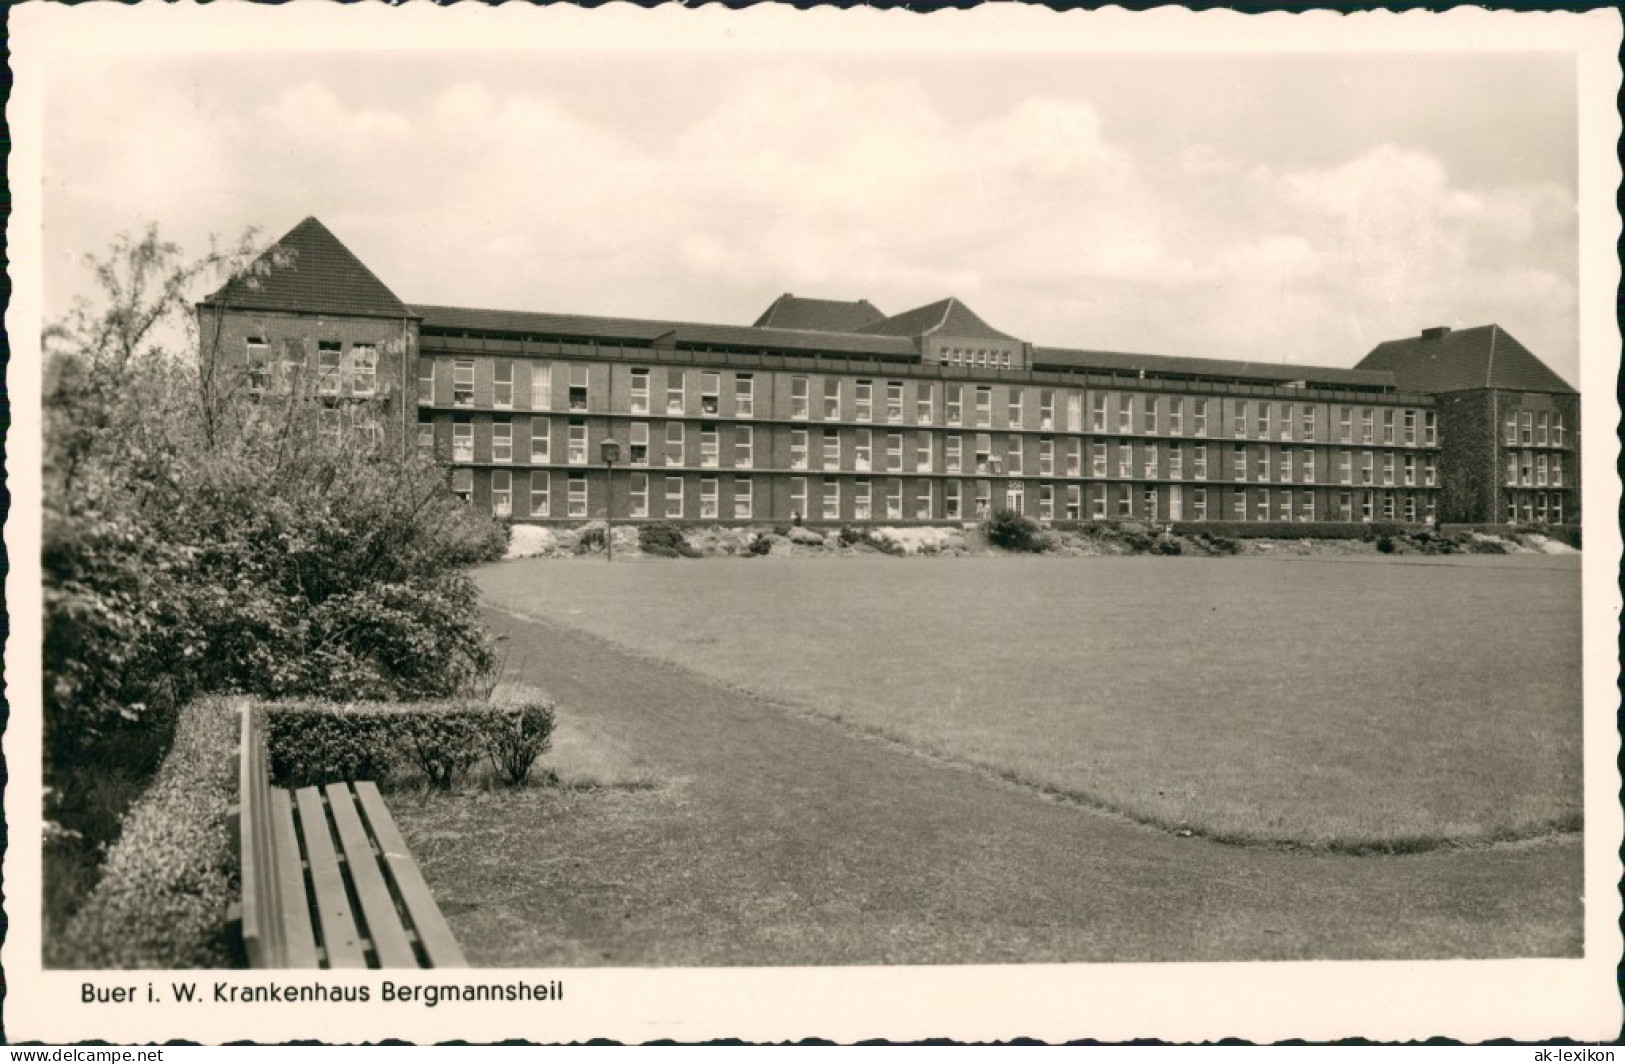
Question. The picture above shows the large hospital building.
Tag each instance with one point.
(837, 412)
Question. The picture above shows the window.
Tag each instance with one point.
(984, 406)
(1097, 412)
(744, 445)
(637, 451)
(1150, 421)
(462, 441)
(1125, 458)
(329, 364)
(1388, 468)
(984, 498)
(1074, 502)
(1238, 427)
(502, 385)
(674, 391)
(798, 496)
(1046, 457)
(1176, 462)
(578, 387)
(1199, 417)
(1238, 464)
(1345, 424)
(864, 400)
(798, 397)
(1557, 508)
(640, 390)
(674, 443)
(954, 403)
(1262, 426)
(1018, 396)
(1176, 416)
(1150, 461)
(1306, 506)
(894, 452)
(539, 483)
(1261, 506)
(742, 498)
(894, 499)
(863, 449)
(425, 381)
(1199, 504)
(1345, 467)
(1263, 473)
(1284, 429)
(576, 497)
(462, 484)
(798, 450)
(1148, 504)
(861, 499)
(576, 445)
(1125, 413)
(1557, 429)
(1074, 457)
(1285, 470)
(1046, 502)
(425, 434)
(1540, 507)
(922, 453)
(1199, 461)
(1387, 506)
(1367, 467)
(1512, 436)
(1366, 502)
(1238, 503)
(257, 361)
(984, 451)
(367, 429)
(1097, 458)
(1430, 471)
(1525, 468)
(744, 395)
(1526, 424)
(1430, 428)
(1388, 426)
(638, 495)
(1345, 506)
(894, 402)
(501, 492)
(1097, 502)
(832, 399)
(1409, 423)
(952, 448)
(1410, 471)
(710, 393)
(1013, 452)
(674, 496)
(1512, 467)
(541, 387)
(708, 446)
(951, 500)
(924, 396)
(1308, 465)
(501, 441)
(1368, 425)
(1540, 470)
(1541, 421)
(1410, 508)
(1283, 510)
(1046, 408)
(923, 502)
(832, 448)
(708, 498)
(1557, 471)
(1074, 411)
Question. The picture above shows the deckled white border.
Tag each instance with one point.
(1256, 1001)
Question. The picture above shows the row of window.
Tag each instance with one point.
(340, 371)
(917, 453)
(1530, 428)
(857, 499)
(1535, 507)
(1532, 469)
(977, 356)
(673, 391)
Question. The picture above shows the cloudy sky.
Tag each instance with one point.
(1272, 207)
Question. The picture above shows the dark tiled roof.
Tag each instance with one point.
(1485, 356)
(1208, 368)
(948, 316)
(321, 276)
(818, 315)
(637, 330)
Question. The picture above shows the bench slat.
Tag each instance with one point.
(298, 939)
(261, 917)
(433, 931)
(389, 939)
(332, 903)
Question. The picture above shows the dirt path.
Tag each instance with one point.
(785, 840)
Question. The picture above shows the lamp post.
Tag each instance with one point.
(609, 450)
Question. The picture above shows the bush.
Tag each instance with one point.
(593, 538)
(169, 881)
(664, 541)
(849, 536)
(1385, 544)
(1167, 545)
(1011, 531)
(761, 545)
(520, 736)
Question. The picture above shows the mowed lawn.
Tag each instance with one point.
(1356, 704)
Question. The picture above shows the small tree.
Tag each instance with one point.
(1011, 531)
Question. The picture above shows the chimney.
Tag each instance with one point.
(1438, 332)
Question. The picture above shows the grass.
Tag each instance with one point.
(1348, 704)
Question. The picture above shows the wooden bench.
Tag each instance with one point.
(327, 879)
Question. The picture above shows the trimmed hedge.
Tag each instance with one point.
(1295, 529)
(168, 882)
(322, 742)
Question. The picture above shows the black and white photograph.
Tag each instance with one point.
(686, 523)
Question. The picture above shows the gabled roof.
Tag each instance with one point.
(1445, 360)
(640, 330)
(1210, 369)
(321, 276)
(818, 315)
(948, 316)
